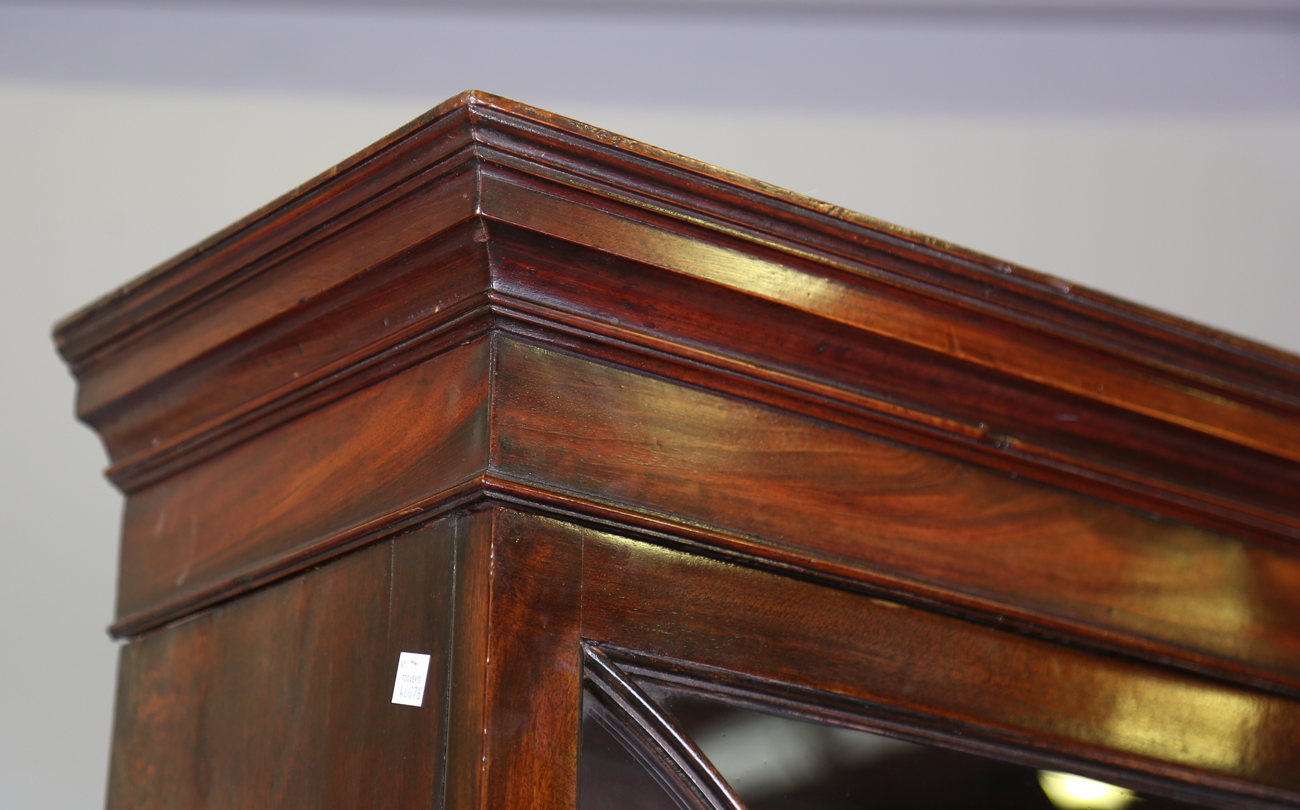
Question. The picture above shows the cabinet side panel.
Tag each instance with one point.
(283, 698)
(853, 506)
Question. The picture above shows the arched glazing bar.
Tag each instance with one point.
(777, 747)
(616, 710)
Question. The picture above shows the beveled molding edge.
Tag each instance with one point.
(644, 177)
(492, 489)
(479, 131)
(633, 717)
(853, 296)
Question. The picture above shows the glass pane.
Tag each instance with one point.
(777, 763)
(613, 774)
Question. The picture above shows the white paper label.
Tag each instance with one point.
(412, 670)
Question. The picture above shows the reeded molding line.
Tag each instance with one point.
(660, 529)
(620, 169)
(713, 371)
(1209, 405)
(484, 110)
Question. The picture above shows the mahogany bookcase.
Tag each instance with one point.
(556, 408)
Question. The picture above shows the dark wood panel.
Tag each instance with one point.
(282, 699)
(833, 500)
(1036, 375)
(609, 171)
(1041, 697)
(496, 305)
(394, 449)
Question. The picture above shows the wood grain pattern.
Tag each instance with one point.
(607, 169)
(309, 487)
(282, 699)
(641, 316)
(1033, 694)
(961, 352)
(282, 695)
(296, 279)
(882, 513)
(733, 434)
(843, 298)
(435, 143)
(292, 360)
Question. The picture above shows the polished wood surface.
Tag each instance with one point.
(780, 354)
(1020, 370)
(314, 487)
(297, 363)
(281, 699)
(989, 685)
(278, 694)
(913, 524)
(542, 387)
(533, 704)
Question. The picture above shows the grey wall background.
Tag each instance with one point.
(1135, 146)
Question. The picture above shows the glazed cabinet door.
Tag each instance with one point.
(700, 682)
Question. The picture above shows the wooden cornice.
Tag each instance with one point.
(427, 236)
(484, 129)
